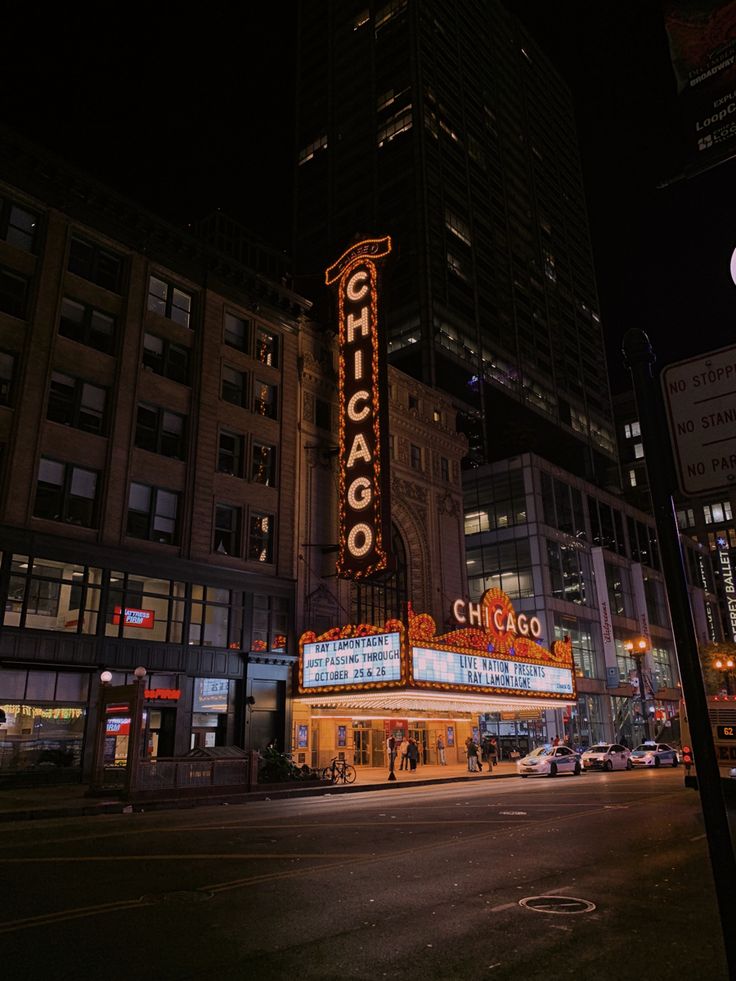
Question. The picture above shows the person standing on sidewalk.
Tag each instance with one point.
(472, 756)
(441, 751)
(412, 754)
(403, 750)
(492, 753)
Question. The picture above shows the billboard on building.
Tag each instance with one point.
(702, 40)
(364, 533)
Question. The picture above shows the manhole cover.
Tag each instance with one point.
(557, 904)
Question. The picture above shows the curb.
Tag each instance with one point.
(173, 803)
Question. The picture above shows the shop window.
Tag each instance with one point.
(234, 386)
(13, 293)
(263, 464)
(169, 301)
(165, 358)
(237, 332)
(153, 514)
(66, 493)
(160, 431)
(87, 326)
(267, 347)
(260, 537)
(228, 523)
(265, 401)
(230, 453)
(7, 370)
(18, 226)
(95, 264)
(77, 403)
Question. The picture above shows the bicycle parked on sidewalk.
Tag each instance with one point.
(339, 771)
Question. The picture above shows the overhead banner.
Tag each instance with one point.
(498, 655)
(364, 535)
(702, 40)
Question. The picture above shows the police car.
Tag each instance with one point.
(654, 754)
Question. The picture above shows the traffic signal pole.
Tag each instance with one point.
(639, 358)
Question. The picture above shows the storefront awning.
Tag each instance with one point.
(423, 701)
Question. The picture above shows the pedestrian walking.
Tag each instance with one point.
(472, 756)
(441, 751)
(492, 753)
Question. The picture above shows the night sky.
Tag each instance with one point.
(186, 116)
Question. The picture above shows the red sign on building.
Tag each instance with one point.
(135, 618)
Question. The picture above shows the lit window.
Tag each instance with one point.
(398, 123)
(260, 537)
(638, 451)
(307, 152)
(720, 511)
(169, 301)
(457, 226)
(632, 478)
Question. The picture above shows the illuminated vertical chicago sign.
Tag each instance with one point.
(364, 506)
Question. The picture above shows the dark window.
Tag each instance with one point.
(165, 358)
(160, 431)
(95, 264)
(323, 414)
(153, 514)
(66, 493)
(169, 301)
(265, 400)
(445, 469)
(415, 457)
(7, 369)
(13, 293)
(263, 464)
(267, 347)
(87, 325)
(260, 537)
(237, 332)
(234, 385)
(227, 530)
(77, 403)
(18, 226)
(230, 453)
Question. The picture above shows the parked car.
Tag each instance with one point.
(607, 756)
(654, 754)
(548, 761)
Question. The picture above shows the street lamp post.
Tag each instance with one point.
(726, 666)
(637, 649)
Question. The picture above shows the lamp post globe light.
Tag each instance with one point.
(725, 665)
(636, 649)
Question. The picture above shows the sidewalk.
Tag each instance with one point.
(70, 800)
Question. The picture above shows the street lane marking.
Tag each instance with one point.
(698, 838)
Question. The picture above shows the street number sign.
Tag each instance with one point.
(700, 399)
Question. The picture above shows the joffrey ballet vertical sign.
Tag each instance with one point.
(364, 507)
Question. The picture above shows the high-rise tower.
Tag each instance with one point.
(442, 124)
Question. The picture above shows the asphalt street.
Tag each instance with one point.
(426, 882)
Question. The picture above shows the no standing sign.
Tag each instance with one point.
(700, 398)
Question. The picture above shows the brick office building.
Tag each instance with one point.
(147, 503)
